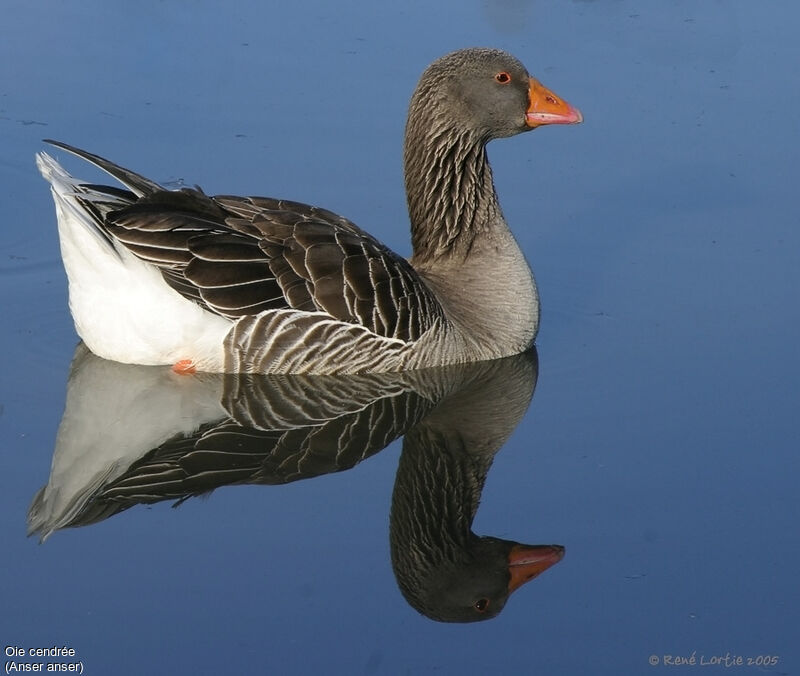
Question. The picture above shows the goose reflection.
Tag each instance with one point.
(135, 434)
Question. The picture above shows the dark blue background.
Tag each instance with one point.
(661, 445)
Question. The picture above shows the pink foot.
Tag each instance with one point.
(184, 367)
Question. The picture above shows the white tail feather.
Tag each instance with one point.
(122, 307)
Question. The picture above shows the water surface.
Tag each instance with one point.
(660, 447)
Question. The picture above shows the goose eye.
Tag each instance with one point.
(481, 605)
(502, 77)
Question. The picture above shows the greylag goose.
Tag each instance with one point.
(139, 435)
(444, 570)
(262, 285)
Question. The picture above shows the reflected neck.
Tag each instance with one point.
(435, 498)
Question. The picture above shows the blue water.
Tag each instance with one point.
(660, 447)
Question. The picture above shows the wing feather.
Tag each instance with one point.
(241, 256)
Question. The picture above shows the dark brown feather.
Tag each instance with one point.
(239, 256)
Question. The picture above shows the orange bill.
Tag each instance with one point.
(545, 107)
(525, 562)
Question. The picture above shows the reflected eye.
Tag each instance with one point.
(481, 605)
(503, 78)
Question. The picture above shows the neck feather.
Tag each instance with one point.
(436, 495)
(449, 186)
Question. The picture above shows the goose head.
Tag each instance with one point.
(463, 101)
(488, 94)
(475, 583)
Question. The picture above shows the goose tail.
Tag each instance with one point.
(80, 204)
(136, 183)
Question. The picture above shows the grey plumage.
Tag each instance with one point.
(139, 435)
(308, 291)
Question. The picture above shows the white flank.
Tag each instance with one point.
(122, 307)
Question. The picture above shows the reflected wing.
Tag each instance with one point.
(227, 452)
(134, 434)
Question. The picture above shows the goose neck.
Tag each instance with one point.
(449, 187)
